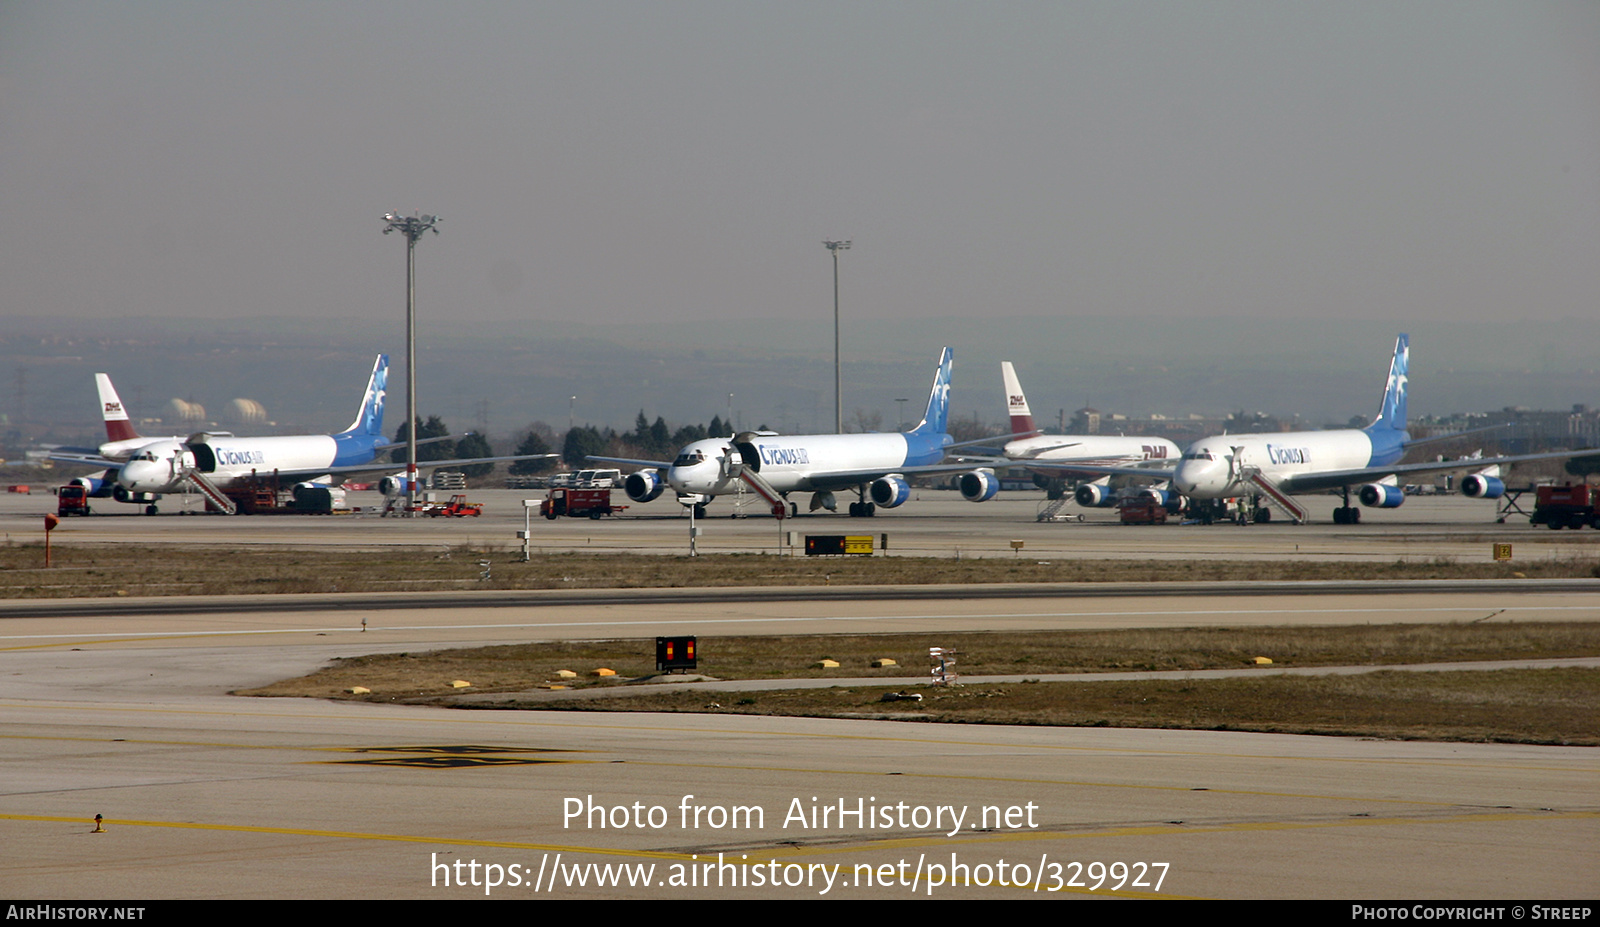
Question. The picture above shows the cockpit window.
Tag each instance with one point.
(689, 459)
(1199, 455)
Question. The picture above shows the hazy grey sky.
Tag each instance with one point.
(682, 161)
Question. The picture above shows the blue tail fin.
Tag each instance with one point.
(1392, 416)
(369, 420)
(937, 418)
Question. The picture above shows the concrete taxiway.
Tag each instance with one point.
(214, 796)
(936, 524)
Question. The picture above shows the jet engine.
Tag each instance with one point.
(1479, 486)
(1095, 496)
(97, 487)
(979, 485)
(891, 491)
(1165, 498)
(644, 486)
(392, 486)
(1381, 496)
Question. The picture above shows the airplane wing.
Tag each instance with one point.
(1338, 479)
(631, 462)
(391, 466)
(1090, 468)
(839, 479)
(84, 456)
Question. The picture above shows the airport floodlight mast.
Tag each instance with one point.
(838, 381)
(412, 228)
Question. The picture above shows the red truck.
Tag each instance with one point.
(72, 500)
(1142, 512)
(1565, 506)
(578, 503)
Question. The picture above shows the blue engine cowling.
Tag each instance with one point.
(1478, 486)
(1095, 496)
(979, 485)
(1381, 496)
(890, 491)
(1162, 497)
(392, 486)
(644, 486)
(96, 487)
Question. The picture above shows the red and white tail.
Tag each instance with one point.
(1016, 403)
(118, 427)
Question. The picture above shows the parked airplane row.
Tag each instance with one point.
(142, 469)
(1253, 470)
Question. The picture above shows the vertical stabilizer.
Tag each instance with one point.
(1016, 402)
(118, 427)
(369, 420)
(936, 420)
(1392, 415)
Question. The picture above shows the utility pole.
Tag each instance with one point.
(838, 381)
(412, 228)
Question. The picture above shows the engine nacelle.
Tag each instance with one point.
(96, 487)
(392, 486)
(979, 485)
(1381, 496)
(1162, 497)
(1095, 496)
(644, 486)
(1478, 486)
(891, 491)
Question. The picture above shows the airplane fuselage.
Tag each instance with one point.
(798, 463)
(1099, 450)
(1213, 468)
(157, 468)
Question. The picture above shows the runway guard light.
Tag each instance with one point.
(675, 653)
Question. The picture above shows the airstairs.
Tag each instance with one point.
(216, 497)
(1277, 496)
(736, 467)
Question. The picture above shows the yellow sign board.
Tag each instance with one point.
(1502, 552)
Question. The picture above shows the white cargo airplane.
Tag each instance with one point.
(1059, 457)
(143, 469)
(873, 465)
(1284, 464)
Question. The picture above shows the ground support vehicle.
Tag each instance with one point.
(578, 503)
(1142, 512)
(457, 507)
(72, 500)
(1565, 506)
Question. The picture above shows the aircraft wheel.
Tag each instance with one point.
(869, 509)
(700, 511)
(1355, 515)
(150, 510)
(1341, 516)
(1263, 516)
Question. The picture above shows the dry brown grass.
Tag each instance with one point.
(178, 570)
(1549, 706)
(1544, 706)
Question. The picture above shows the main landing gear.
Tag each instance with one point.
(1347, 514)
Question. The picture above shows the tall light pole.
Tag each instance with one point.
(412, 228)
(838, 381)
